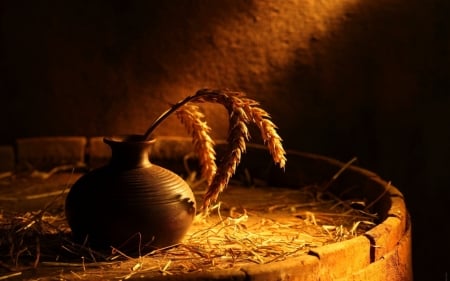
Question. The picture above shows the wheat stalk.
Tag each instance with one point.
(193, 120)
(242, 111)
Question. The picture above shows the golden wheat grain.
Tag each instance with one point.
(269, 134)
(241, 111)
(237, 137)
(193, 120)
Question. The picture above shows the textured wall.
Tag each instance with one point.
(341, 78)
(110, 68)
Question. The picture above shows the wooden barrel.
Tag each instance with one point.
(382, 253)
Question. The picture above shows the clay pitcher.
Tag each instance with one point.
(130, 203)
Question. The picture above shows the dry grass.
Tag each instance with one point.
(235, 233)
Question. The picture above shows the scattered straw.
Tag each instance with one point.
(266, 225)
(238, 231)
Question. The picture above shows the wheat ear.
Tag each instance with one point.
(242, 111)
(269, 134)
(237, 137)
(193, 120)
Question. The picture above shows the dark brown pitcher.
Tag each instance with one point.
(130, 203)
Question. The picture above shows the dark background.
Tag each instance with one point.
(341, 78)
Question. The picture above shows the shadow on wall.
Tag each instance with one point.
(380, 91)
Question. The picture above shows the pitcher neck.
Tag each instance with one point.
(129, 151)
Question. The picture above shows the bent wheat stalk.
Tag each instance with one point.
(242, 111)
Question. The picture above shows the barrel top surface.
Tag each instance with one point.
(361, 252)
